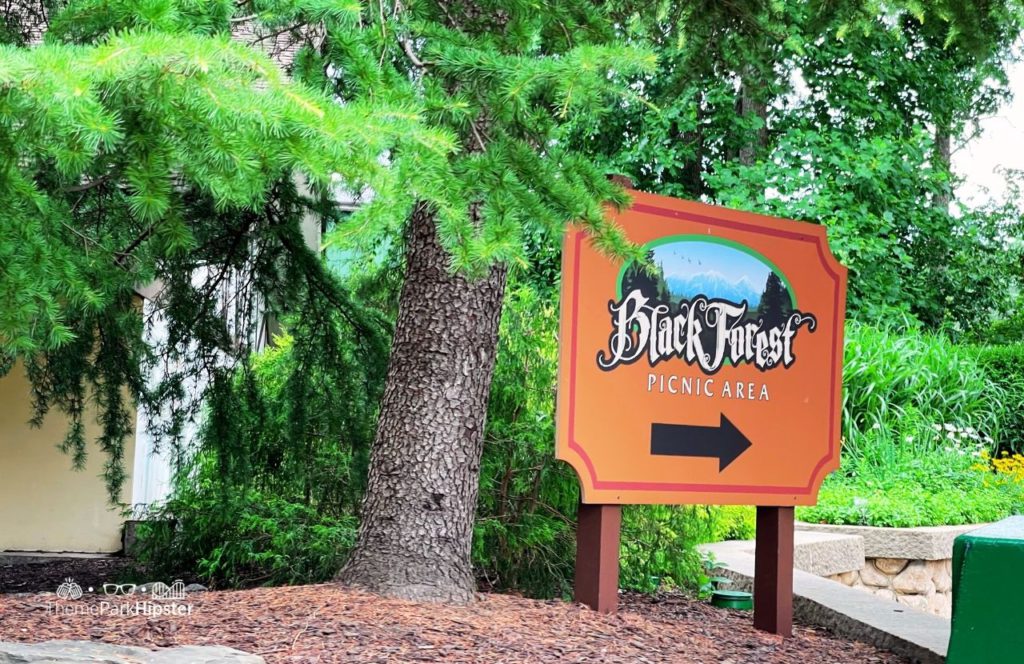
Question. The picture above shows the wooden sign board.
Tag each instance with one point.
(712, 375)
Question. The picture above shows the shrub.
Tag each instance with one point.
(1007, 330)
(659, 543)
(891, 376)
(231, 537)
(907, 506)
(1004, 366)
(733, 522)
(921, 475)
(269, 493)
(524, 537)
(920, 413)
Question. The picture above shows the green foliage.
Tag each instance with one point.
(892, 377)
(146, 144)
(1003, 331)
(659, 543)
(87, 20)
(841, 116)
(921, 417)
(919, 414)
(269, 494)
(235, 537)
(907, 506)
(128, 117)
(508, 80)
(915, 476)
(142, 144)
(733, 522)
(659, 546)
(275, 425)
(525, 533)
(1004, 366)
(906, 260)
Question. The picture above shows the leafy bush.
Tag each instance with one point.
(920, 475)
(296, 421)
(524, 536)
(907, 506)
(270, 493)
(659, 543)
(890, 376)
(1004, 366)
(1003, 330)
(920, 415)
(733, 522)
(232, 537)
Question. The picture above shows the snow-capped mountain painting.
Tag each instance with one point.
(681, 268)
(715, 285)
(712, 269)
(677, 269)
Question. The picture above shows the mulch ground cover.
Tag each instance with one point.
(328, 623)
(39, 577)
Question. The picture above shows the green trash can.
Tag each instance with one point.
(988, 595)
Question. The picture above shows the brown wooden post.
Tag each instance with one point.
(597, 556)
(773, 571)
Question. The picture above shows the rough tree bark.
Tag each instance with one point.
(943, 156)
(751, 103)
(417, 517)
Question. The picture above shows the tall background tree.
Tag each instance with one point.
(843, 114)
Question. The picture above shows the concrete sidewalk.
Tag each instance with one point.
(845, 611)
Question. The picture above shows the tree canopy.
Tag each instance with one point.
(842, 114)
(141, 155)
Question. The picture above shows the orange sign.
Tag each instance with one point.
(712, 372)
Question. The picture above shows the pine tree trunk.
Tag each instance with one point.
(943, 156)
(417, 516)
(751, 104)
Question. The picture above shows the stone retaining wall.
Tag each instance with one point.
(926, 585)
(912, 566)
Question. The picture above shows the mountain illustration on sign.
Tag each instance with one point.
(681, 269)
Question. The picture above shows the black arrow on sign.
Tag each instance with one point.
(724, 442)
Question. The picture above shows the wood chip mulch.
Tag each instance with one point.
(38, 577)
(328, 623)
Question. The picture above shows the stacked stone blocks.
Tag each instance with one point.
(912, 566)
(920, 584)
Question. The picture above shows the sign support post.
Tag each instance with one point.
(773, 570)
(597, 556)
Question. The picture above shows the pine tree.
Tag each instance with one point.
(139, 146)
(509, 78)
(142, 143)
(648, 278)
(775, 303)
